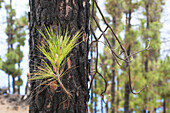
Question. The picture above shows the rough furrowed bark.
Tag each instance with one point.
(73, 14)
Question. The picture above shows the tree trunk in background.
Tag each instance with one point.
(13, 84)
(91, 68)
(164, 105)
(91, 109)
(127, 90)
(118, 94)
(9, 83)
(95, 104)
(146, 61)
(11, 47)
(155, 109)
(106, 107)
(75, 15)
(113, 73)
(19, 78)
(113, 91)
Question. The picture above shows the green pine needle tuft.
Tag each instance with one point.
(56, 49)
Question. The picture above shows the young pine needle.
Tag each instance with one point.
(56, 49)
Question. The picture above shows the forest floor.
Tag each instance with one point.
(12, 104)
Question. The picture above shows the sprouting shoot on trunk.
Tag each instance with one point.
(55, 48)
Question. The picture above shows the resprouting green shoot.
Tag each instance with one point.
(55, 48)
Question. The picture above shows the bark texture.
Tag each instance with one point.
(75, 15)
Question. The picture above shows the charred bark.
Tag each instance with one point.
(73, 14)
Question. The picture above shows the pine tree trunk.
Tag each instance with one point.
(19, 78)
(13, 84)
(117, 95)
(95, 103)
(113, 91)
(9, 83)
(106, 107)
(75, 15)
(113, 72)
(91, 109)
(155, 109)
(90, 68)
(11, 47)
(146, 61)
(164, 105)
(127, 90)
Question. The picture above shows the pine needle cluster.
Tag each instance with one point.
(56, 48)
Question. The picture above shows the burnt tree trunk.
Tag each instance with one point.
(75, 15)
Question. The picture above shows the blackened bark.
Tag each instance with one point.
(75, 15)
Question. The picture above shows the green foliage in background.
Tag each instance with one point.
(15, 32)
(1, 1)
(147, 69)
